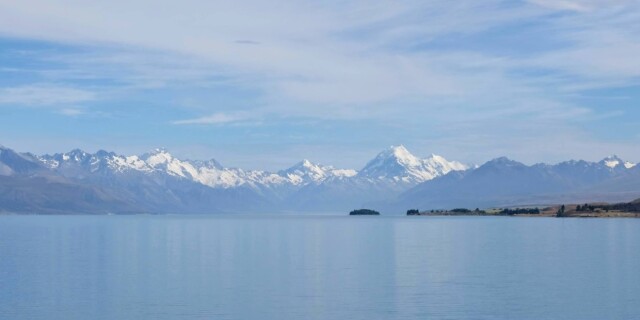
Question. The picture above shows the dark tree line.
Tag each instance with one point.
(625, 207)
(477, 211)
(364, 212)
(511, 212)
(459, 211)
(586, 208)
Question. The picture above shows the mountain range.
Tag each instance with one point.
(503, 182)
(157, 182)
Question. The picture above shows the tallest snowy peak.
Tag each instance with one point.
(398, 164)
(401, 154)
(398, 151)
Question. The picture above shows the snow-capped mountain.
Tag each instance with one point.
(394, 165)
(211, 173)
(503, 182)
(305, 172)
(103, 162)
(390, 173)
(615, 162)
(399, 165)
(158, 182)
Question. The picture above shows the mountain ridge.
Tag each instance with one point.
(158, 182)
(505, 182)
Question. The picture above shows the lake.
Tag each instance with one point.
(318, 267)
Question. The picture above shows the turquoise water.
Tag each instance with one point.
(314, 267)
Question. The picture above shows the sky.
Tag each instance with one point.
(264, 84)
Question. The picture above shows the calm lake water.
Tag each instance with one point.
(318, 267)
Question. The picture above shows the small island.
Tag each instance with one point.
(364, 212)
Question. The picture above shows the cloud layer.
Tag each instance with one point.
(451, 68)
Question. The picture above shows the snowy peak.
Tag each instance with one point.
(611, 161)
(436, 161)
(305, 172)
(614, 162)
(400, 155)
(162, 160)
(394, 158)
(102, 161)
(157, 157)
(306, 165)
(398, 164)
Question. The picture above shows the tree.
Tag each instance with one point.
(561, 212)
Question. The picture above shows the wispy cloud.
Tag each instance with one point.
(247, 42)
(44, 95)
(346, 55)
(580, 5)
(427, 63)
(215, 119)
(71, 112)
(563, 4)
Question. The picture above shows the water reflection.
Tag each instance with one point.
(283, 267)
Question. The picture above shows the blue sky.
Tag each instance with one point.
(263, 85)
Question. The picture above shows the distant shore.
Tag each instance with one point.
(553, 215)
(600, 210)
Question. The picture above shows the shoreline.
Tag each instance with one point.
(541, 215)
(622, 215)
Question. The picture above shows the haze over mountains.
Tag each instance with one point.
(504, 182)
(157, 182)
